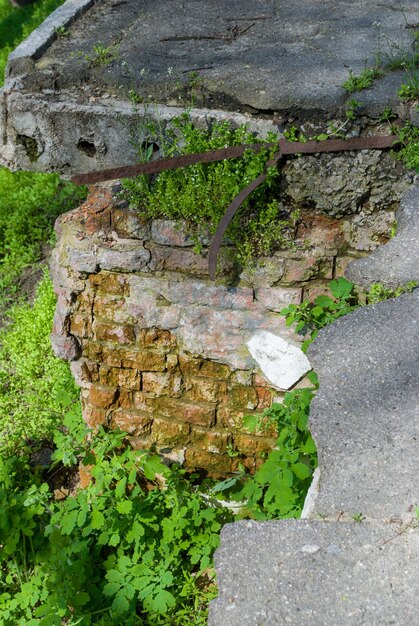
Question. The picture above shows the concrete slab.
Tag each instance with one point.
(251, 59)
(365, 418)
(299, 572)
(397, 262)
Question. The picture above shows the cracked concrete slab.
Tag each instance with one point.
(234, 58)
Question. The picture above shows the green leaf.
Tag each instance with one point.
(69, 521)
(98, 519)
(120, 605)
(162, 601)
(110, 589)
(124, 507)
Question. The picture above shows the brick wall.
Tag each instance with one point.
(160, 351)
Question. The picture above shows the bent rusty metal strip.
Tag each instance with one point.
(285, 147)
(296, 147)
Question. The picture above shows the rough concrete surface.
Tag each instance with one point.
(65, 106)
(397, 262)
(295, 572)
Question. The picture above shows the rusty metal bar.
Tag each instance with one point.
(285, 147)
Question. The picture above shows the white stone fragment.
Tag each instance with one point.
(281, 363)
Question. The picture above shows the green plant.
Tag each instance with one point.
(17, 23)
(199, 194)
(352, 107)
(279, 486)
(358, 517)
(29, 204)
(410, 89)
(61, 31)
(408, 137)
(132, 547)
(101, 55)
(363, 80)
(30, 374)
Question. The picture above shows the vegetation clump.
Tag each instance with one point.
(200, 194)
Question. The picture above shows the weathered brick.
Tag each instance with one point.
(171, 362)
(162, 383)
(149, 361)
(201, 389)
(202, 413)
(248, 444)
(112, 308)
(169, 431)
(232, 418)
(308, 268)
(126, 399)
(90, 371)
(258, 381)
(243, 397)
(116, 377)
(189, 365)
(119, 334)
(164, 258)
(209, 440)
(321, 232)
(250, 463)
(102, 397)
(276, 298)
(92, 350)
(110, 282)
(133, 422)
(264, 397)
(128, 224)
(211, 369)
(95, 416)
(170, 233)
(80, 326)
(241, 377)
(216, 465)
(156, 338)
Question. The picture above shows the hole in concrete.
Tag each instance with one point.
(30, 145)
(87, 147)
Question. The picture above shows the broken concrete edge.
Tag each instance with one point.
(395, 263)
(21, 59)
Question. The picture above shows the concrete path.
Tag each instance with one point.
(329, 569)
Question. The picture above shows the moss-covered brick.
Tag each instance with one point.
(202, 413)
(116, 377)
(189, 364)
(133, 422)
(169, 431)
(248, 444)
(172, 362)
(215, 465)
(126, 398)
(80, 325)
(211, 369)
(156, 338)
(243, 397)
(199, 389)
(150, 361)
(110, 282)
(112, 308)
(162, 383)
(102, 397)
(116, 333)
(209, 440)
(93, 350)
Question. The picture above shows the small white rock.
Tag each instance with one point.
(281, 363)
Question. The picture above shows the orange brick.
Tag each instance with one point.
(110, 282)
(215, 465)
(204, 389)
(156, 338)
(189, 365)
(170, 431)
(209, 440)
(264, 397)
(116, 333)
(95, 416)
(243, 397)
(133, 422)
(102, 397)
(211, 369)
(202, 413)
(247, 444)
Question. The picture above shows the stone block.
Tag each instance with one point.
(209, 440)
(186, 261)
(103, 397)
(172, 362)
(276, 298)
(129, 260)
(65, 347)
(200, 389)
(83, 261)
(265, 272)
(110, 282)
(115, 333)
(80, 326)
(264, 397)
(116, 377)
(169, 431)
(320, 232)
(132, 422)
(94, 416)
(150, 361)
(170, 233)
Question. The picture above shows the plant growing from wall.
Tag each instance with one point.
(199, 194)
